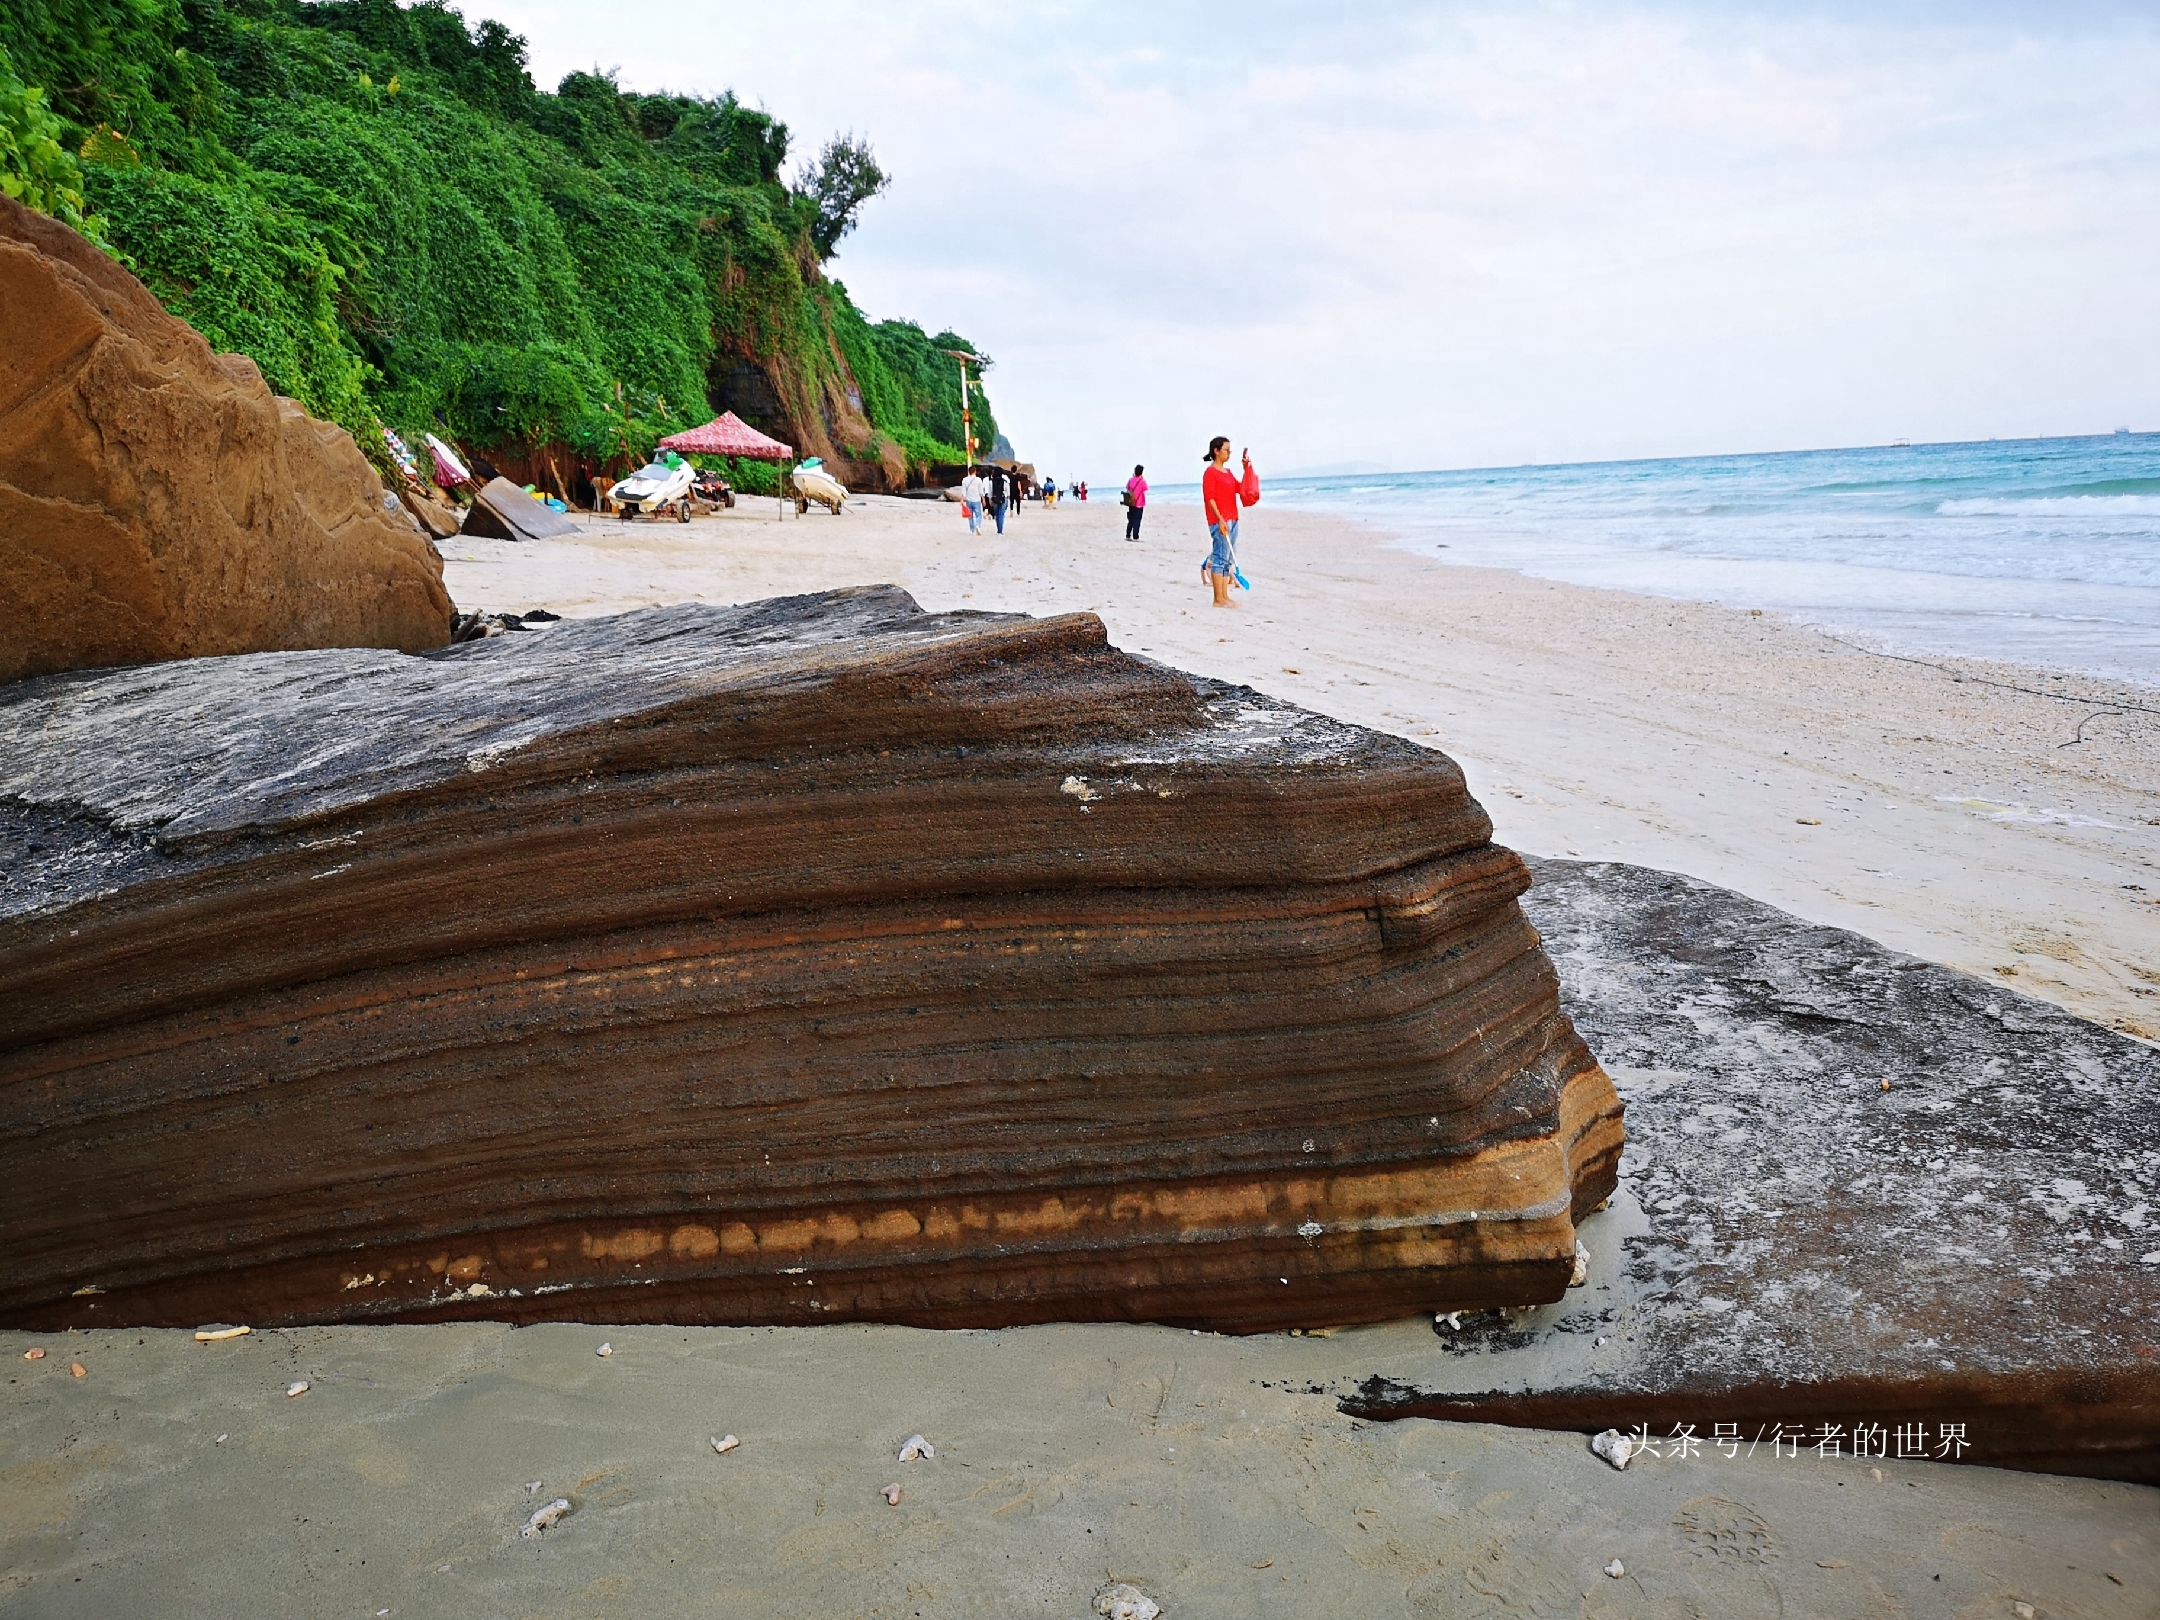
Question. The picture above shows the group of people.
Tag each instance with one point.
(1222, 494)
(992, 495)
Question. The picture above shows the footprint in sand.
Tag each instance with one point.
(1728, 1531)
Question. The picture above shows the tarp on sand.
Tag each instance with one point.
(502, 511)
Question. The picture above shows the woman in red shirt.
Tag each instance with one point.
(1219, 499)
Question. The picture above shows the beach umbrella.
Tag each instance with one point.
(729, 435)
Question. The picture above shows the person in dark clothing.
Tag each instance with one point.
(1000, 490)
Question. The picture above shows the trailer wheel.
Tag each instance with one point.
(802, 506)
(682, 509)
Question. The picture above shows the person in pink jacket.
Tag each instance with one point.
(1135, 502)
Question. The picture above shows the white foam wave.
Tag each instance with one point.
(2090, 506)
(1989, 810)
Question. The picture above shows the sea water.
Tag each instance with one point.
(2035, 551)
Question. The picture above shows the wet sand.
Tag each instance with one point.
(178, 1478)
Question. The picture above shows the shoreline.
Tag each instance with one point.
(1936, 806)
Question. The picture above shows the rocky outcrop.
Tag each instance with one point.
(157, 501)
(817, 960)
(817, 410)
(1870, 1206)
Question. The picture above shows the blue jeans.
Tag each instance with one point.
(997, 509)
(974, 513)
(1224, 557)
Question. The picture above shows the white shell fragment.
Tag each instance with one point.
(1615, 1447)
(299, 1386)
(1124, 1601)
(725, 1443)
(892, 1494)
(546, 1518)
(532, 1486)
(605, 1350)
(1616, 1569)
(917, 1447)
(215, 1335)
(1582, 1266)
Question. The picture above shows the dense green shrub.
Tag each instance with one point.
(376, 204)
(35, 169)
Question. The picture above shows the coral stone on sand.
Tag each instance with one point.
(157, 501)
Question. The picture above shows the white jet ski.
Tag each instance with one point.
(661, 482)
(813, 483)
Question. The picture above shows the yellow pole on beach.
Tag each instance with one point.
(967, 416)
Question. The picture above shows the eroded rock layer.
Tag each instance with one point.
(817, 960)
(158, 501)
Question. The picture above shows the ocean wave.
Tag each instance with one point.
(2086, 506)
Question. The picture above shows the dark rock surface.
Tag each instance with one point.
(815, 960)
(1793, 1243)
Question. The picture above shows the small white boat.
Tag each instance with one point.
(662, 482)
(813, 483)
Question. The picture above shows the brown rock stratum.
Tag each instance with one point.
(817, 960)
(158, 501)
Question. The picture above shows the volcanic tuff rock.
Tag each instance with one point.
(157, 501)
(813, 960)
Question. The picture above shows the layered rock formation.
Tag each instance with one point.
(157, 501)
(817, 960)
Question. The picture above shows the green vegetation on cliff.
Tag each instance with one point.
(376, 204)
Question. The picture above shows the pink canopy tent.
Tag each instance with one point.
(729, 435)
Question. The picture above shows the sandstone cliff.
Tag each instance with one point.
(157, 501)
(815, 960)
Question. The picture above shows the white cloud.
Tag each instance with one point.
(1450, 235)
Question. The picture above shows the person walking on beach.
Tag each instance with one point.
(1220, 490)
(998, 488)
(1135, 502)
(972, 490)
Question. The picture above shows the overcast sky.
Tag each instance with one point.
(1464, 235)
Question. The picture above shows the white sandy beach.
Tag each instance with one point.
(1935, 807)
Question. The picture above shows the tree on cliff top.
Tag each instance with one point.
(845, 177)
